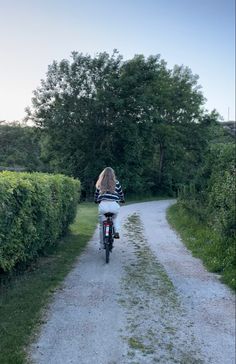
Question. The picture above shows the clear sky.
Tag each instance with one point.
(199, 34)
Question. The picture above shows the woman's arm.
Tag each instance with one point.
(119, 191)
(96, 195)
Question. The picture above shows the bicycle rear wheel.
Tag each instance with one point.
(107, 248)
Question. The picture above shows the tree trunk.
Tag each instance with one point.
(161, 161)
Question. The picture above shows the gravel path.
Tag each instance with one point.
(153, 303)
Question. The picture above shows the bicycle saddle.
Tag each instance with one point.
(108, 214)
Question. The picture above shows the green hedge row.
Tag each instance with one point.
(35, 210)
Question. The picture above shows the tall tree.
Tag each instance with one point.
(135, 115)
(19, 146)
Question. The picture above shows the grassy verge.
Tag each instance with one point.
(217, 254)
(23, 296)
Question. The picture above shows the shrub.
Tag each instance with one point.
(211, 195)
(211, 199)
(221, 203)
(35, 210)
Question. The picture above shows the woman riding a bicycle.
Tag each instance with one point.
(108, 194)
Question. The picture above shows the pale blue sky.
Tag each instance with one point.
(197, 33)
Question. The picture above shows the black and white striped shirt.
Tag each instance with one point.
(110, 196)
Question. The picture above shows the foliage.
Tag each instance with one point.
(143, 119)
(211, 194)
(35, 210)
(208, 203)
(222, 202)
(217, 252)
(23, 295)
(20, 146)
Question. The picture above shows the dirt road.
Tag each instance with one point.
(153, 303)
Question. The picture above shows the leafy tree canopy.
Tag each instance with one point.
(147, 121)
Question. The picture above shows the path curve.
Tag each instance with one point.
(153, 303)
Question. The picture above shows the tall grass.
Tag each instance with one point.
(217, 254)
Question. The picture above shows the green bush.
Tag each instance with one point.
(35, 210)
(211, 195)
(221, 203)
(209, 200)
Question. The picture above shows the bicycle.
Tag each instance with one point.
(108, 234)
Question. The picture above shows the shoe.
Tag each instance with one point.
(116, 236)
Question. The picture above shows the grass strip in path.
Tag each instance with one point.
(158, 329)
(217, 254)
(24, 296)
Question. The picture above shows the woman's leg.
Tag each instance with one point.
(101, 218)
(116, 223)
(114, 207)
(104, 207)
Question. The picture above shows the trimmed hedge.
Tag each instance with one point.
(35, 211)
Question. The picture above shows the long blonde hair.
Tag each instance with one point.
(106, 181)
